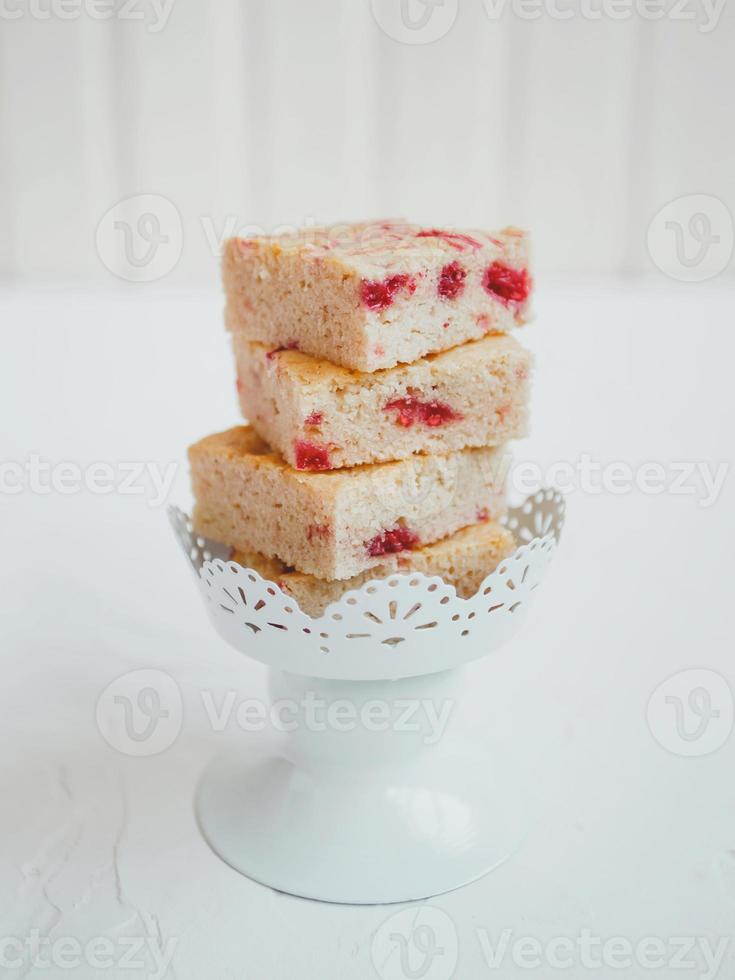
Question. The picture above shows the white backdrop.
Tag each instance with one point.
(247, 112)
(229, 114)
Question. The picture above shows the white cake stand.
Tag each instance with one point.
(366, 799)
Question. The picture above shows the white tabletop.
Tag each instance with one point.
(634, 832)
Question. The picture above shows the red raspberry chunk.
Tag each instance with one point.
(391, 541)
(314, 419)
(510, 285)
(432, 413)
(378, 295)
(310, 456)
(451, 280)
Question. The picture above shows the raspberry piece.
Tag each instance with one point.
(310, 456)
(510, 285)
(451, 280)
(391, 541)
(409, 410)
(314, 419)
(483, 515)
(378, 295)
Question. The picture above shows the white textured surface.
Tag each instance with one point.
(631, 840)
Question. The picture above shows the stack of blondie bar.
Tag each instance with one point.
(381, 388)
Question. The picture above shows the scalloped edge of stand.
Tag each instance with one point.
(181, 523)
(350, 597)
(379, 630)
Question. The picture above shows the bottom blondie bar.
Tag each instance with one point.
(463, 560)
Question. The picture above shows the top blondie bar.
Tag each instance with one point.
(372, 295)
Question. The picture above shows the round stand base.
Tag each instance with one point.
(394, 834)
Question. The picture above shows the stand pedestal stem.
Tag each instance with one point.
(373, 792)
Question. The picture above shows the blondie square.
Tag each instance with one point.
(338, 523)
(372, 295)
(463, 560)
(320, 416)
